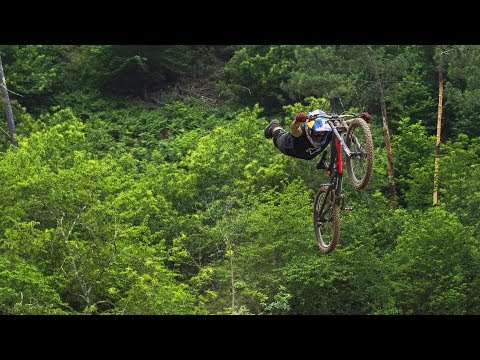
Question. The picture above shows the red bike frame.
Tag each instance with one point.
(336, 177)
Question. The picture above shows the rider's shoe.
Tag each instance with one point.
(268, 130)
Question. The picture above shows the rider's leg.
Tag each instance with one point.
(321, 165)
(270, 129)
(283, 140)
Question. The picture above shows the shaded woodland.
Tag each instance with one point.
(141, 182)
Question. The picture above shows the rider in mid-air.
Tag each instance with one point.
(306, 138)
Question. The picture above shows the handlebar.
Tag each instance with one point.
(334, 116)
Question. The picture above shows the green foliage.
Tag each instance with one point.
(432, 264)
(154, 288)
(26, 291)
(142, 183)
(412, 97)
(311, 103)
(413, 151)
(318, 71)
(280, 304)
(461, 90)
(256, 74)
(146, 130)
(134, 69)
(458, 179)
(218, 161)
(261, 231)
(33, 71)
(74, 217)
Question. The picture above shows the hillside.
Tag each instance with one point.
(143, 184)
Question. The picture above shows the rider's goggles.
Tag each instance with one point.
(319, 134)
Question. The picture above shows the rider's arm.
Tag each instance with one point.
(295, 128)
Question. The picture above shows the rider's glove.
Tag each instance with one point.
(300, 117)
(365, 116)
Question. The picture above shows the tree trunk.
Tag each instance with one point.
(386, 132)
(7, 106)
(439, 126)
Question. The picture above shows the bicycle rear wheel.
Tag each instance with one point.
(326, 219)
(360, 162)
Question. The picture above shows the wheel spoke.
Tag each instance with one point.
(326, 220)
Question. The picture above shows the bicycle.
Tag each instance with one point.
(352, 136)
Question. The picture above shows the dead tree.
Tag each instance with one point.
(7, 106)
(386, 132)
(439, 126)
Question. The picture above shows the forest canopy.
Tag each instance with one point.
(142, 183)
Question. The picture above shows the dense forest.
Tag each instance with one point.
(142, 183)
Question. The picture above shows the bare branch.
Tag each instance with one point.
(249, 92)
(104, 302)
(109, 261)
(6, 133)
(81, 282)
(125, 307)
(386, 130)
(10, 91)
(75, 221)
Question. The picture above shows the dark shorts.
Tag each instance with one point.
(298, 147)
(283, 140)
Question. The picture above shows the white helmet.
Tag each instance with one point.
(316, 113)
(317, 129)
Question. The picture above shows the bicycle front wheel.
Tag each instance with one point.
(326, 219)
(360, 162)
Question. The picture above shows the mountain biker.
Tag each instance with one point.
(306, 138)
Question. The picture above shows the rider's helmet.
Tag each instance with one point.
(317, 128)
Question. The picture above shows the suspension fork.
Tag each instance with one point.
(337, 145)
(323, 212)
(335, 187)
(338, 177)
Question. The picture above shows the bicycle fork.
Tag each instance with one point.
(339, 196)
(337, 181)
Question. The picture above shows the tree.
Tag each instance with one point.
(255, 74)
(461, 91)
(433, 266)
(439, 125)
(7, 106)
(385, 128)
(322, 71)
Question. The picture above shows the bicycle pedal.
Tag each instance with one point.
(348, 208)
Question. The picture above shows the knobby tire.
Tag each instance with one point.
(327, 230)
(360, 164)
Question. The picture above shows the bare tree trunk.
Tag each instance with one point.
(7, 106)
(66, 237)
(386, 132)
(439, 126)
